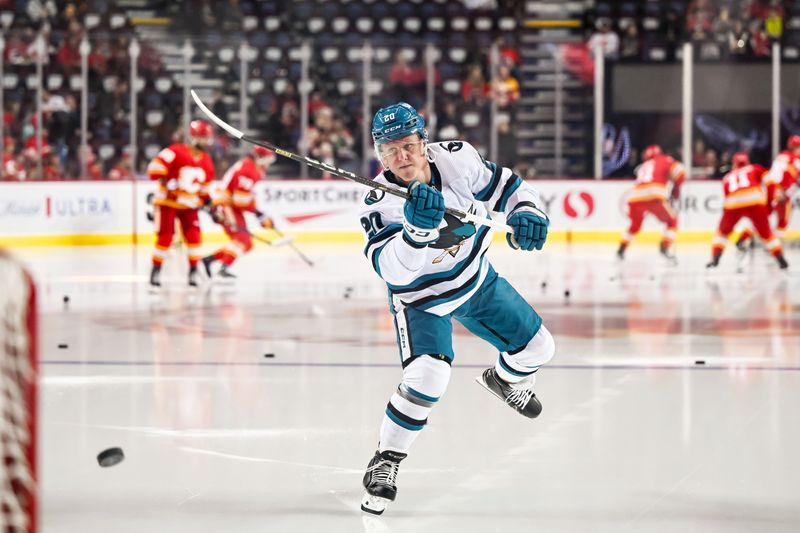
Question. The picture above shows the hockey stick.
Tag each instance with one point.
(346, 174)
(291, 244)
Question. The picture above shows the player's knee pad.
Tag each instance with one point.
(424, 380)
(539, 350)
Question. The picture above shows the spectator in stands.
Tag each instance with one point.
(605, 38)
(739, 40)
(123, 170)
(230, 16)
(450, 118)
(343, 141)
(13, 169)
(759, 42)
(699, 153)
(402, 76)
(505, 88)
(773, 25)
(630, 47)
(475, 89)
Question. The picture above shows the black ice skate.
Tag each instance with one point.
(207, 262)
(782, 262)
(714, 263)
(193, 276)
(380, 481)
(225, 273)
(666, 254)
(519, 396)
(155, 276)
(621, 252)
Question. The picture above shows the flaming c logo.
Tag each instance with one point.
(578, 204)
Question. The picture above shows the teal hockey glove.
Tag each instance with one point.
(423, 211)
(530, 227)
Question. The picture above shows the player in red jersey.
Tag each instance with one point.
(235, 200)
(745, 198)
(184, 173)
(781, 183)
(650, 196)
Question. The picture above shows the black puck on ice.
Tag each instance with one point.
(110, 457)
(346, 295)
(699, 362)
(268, 355)
(544, 285)
(566, 293)
(66, 299)
(62, 346)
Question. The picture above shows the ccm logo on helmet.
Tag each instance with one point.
(389, 130)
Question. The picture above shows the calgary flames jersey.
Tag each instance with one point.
(238, 183)
(184, 174)
(653, 176)
(783, 175)
(743, 187)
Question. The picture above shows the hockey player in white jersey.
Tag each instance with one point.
(435, 268)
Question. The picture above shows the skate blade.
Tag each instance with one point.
(373, 504)
(483, 384)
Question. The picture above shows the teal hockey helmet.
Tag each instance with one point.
(397, 121)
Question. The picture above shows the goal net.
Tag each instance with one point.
(17, 398)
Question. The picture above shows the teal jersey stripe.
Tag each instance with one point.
(427, 280)
(432, 399)
(509, 189)
(488, 191)
(450, 295)
(402, 423)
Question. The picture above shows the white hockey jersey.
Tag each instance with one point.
(442, 276)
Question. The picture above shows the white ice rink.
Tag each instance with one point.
(635, 435)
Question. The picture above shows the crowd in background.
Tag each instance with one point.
(334, 128)
(720, 30)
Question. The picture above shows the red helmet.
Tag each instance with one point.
(200, 132)
(740, 159)
(260, 151)
(651, 151)
(263, 156)
(793, 142)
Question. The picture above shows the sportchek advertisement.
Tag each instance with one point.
(100, 212)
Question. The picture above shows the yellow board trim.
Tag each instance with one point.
(598, 236)
(564, 23)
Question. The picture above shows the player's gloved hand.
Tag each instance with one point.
(218, 214)
(530, 228)
(267, 222)
(676, 193)
(423, 211)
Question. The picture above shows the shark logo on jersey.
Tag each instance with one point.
(374, 197)
(454, 146)
(452, 237)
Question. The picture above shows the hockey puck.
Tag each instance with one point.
(544, 285)
(347, 296)
(62, 346)
(566, 294)
(269, 355)
(66, 299)
(699, 362)
(110, 457)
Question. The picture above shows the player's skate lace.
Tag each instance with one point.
(384, 472)
(519, 398)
